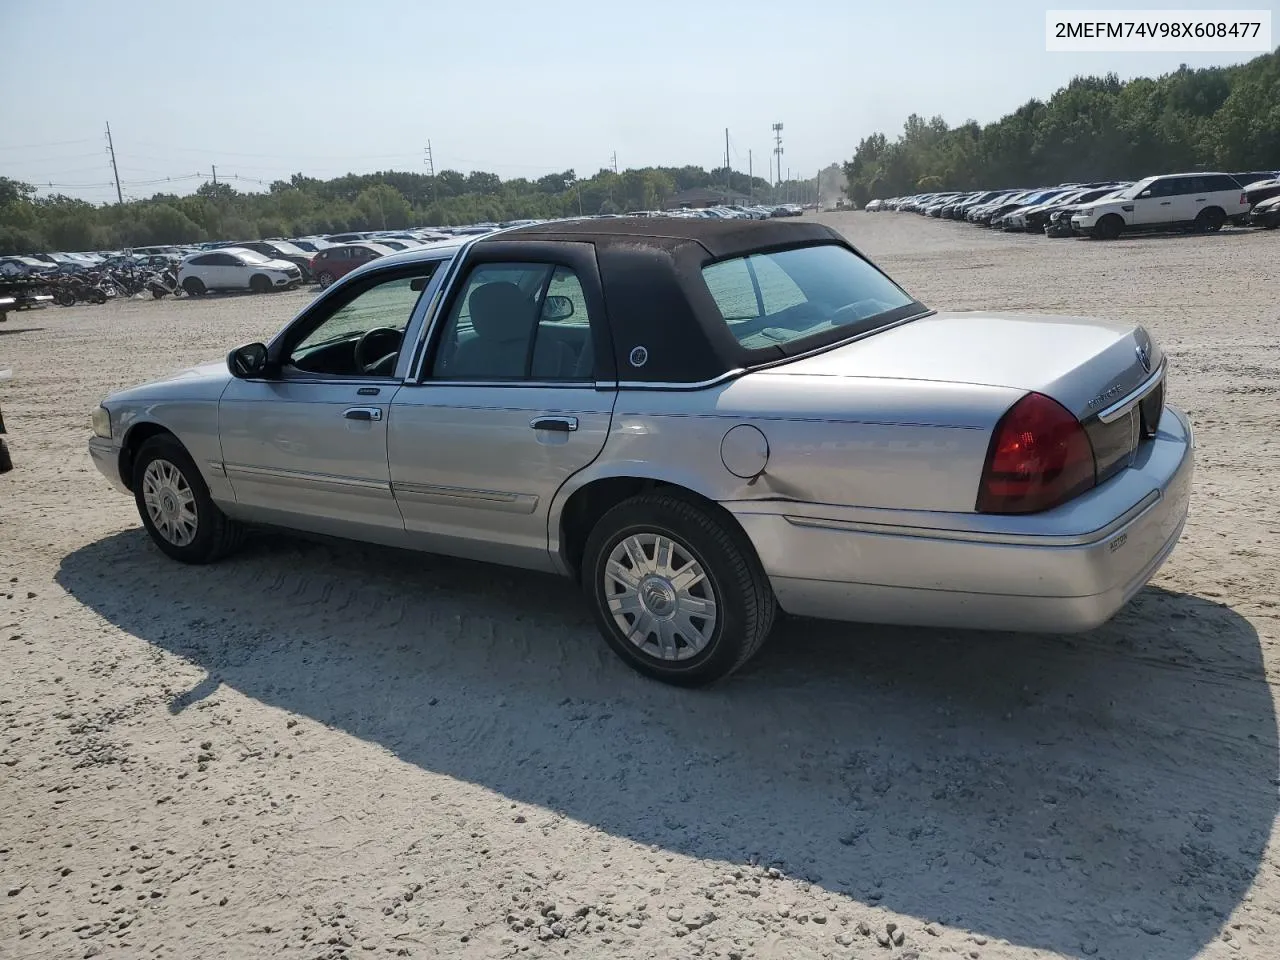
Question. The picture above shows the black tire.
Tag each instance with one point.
(96, 295)
(157, 294)
(1109, 227)
(6, 462)
(745, 606)
(259, 284)
(324, 278)
(64, 297)
(216, 534)
(194, 286)
(1210, 220)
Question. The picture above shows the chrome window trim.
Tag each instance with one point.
(1128, 401)
(431, 315)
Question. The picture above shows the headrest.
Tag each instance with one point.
(500, 311)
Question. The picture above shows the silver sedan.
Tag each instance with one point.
(703, 422)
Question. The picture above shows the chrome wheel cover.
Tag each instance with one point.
(170, 502)
(660, 596)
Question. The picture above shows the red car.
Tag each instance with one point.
(334, 262)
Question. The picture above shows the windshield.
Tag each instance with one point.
(770, 299)
(1136, 189)
(249, 256)
(288, 249)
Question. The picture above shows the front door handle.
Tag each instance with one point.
(363, 413)
(1165, 203)
(559, 424)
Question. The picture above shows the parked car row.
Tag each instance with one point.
(276, 263)
(1203, 202)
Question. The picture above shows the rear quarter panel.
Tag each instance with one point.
(891, 444)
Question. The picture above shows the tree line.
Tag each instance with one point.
(303, 206)
(1094, 128)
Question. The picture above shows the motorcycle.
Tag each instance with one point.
(6, 463)
(164, 283)
(74, 289)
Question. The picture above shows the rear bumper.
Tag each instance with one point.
(1065, 570)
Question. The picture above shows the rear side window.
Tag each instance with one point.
(1222, 182)
(770, 299)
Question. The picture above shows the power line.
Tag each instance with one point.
(51, 143)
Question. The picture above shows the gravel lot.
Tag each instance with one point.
(320, 750)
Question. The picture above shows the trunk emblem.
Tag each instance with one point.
(1144, 356)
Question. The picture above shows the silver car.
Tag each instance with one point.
(703, 422)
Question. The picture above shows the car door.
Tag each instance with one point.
(306, 445)
(506, 405)
(1153, 206)
(1189, 196)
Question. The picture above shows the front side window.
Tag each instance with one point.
(362, 336)
(771, 299)
(516, 321)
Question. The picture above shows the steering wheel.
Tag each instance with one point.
(376, 351)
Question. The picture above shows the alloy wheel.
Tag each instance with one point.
(660, 596)
(170, 502)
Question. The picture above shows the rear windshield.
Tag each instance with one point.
(771, 299)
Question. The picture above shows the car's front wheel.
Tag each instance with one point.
(1109, 227)
(259, 283)
(175, 505)
(677, 590)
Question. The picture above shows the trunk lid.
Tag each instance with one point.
(1089, 366)
(1084, 364)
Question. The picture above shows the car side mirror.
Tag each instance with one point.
(1144, 193)
(248, 362)
(557, 308)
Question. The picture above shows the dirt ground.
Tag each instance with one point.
(319, 750)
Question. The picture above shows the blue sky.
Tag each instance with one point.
(265, 89)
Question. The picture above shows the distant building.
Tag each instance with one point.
(704, 197)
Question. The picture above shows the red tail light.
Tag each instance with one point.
(1040, 457)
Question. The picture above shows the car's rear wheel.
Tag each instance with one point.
(325, 278)
(175, 505)
(1210, 220)
(1109, 227)
(194, 286)
(677, 591)
(259, 283)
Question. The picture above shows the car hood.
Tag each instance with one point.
(1079, 361)
(202, 382)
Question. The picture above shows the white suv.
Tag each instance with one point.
(1202, 201)
(235, 268)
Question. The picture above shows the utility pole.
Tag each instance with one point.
(215, 173)
(431, 170)
(728, 181)
(614, 159)
(751, 180)
(111, 148)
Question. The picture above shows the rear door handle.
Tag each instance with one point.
(363, 413)
(1165, 203)
(559, 424)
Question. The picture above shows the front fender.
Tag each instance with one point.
(193, 422)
